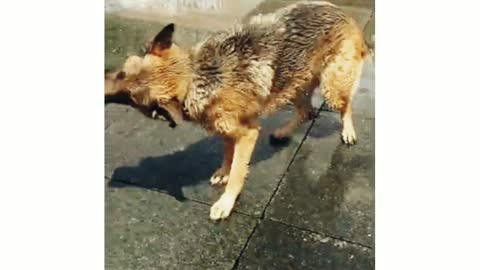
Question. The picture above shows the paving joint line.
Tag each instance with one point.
(262, 217)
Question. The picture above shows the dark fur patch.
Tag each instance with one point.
(121, 75)
(163, 40)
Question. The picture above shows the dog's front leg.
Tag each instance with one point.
(245, 141)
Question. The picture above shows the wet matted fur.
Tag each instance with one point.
(226, 82)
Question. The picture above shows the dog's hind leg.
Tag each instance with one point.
(348, 131)
(220, 177)
(303, 110)
(339, 81)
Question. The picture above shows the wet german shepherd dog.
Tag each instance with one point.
(227, 81)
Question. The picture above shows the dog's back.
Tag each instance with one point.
(272, 50)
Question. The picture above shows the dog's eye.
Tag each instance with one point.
(121, 75)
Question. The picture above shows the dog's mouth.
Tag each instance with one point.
(154, 111)
(157, 112)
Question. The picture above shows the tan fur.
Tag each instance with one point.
(170, 78)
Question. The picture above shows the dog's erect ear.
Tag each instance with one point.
(162, 41)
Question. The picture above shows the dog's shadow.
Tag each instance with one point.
(171, 172)
(194, 165)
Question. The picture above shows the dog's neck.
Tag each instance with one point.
(185, 84)
(184, 72)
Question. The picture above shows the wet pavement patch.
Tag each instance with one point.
(330, 187)
(278, 246)
(148, 230)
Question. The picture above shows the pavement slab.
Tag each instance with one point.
(279, 246)
(147, 230)
(329, 187)
(147, 153)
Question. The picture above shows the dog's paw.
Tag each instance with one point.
(220, 177)
(274, 141)
(348, 136)
(218, 180)
(223, 207)
(281, 134)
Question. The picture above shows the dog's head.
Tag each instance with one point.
(156, 82)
